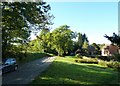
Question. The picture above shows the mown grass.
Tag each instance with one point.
(66, 71)
(33, 56)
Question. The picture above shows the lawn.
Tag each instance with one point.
(65, 71)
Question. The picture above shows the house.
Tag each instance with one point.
(109, 50)
(91, 50)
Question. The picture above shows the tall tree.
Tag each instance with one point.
(115, 39)
(80, 40)
(42, 39)
(85, 45)
(62, 39)
(17, 20)
(96, 46)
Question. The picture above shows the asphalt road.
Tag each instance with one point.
(27, 72)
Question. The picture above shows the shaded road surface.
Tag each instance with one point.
(27, 72)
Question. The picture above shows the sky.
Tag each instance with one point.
(95, 19)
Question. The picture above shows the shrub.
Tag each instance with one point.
(90, 60)
(78, 55)
(105, 58)
(114, 64)
(102, 62)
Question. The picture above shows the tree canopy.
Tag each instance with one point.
(115, 39)
(62, 39)
(19, 19)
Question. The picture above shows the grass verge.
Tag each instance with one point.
(67, 71)
(33, 56)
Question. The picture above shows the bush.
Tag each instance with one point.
(102, 62)
(114, 64)
(90, 60)
(78, 55)
(105, 58)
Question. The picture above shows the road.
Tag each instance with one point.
(27, 72)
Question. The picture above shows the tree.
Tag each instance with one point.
(34, 46)
(62, 40)
(96, 46)
(80, 40)
(18, 20)
(42, 39)
(81, 43)
(115, 39)
(85, 45)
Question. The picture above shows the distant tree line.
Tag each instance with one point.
(62, 41)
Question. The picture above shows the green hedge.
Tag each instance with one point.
(114, 64)
(90, 60)
(102, 62)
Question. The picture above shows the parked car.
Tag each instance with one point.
(9, 64)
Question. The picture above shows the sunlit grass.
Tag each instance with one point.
(64, 70)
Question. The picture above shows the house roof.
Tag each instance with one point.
(111, 48)
(91, 48)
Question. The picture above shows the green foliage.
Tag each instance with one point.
(32, 56)
(97, 48)
(78, 55)
(62, 40)
(81, 43)
(114, 64)
(59, 40)
(85, 45)
(17, 20)
(88, 60)
(34, 45)
(85, 41)
(111, 64)
(43, 39)
(82, 40)
(115, 39)
(102, 62)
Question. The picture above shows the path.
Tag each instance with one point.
(27, 72)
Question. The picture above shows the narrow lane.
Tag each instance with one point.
(27, 72)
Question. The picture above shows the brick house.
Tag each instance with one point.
(109, 50)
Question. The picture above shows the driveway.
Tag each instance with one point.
(27, 72)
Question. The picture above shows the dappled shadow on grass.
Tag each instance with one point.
(70, 73)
